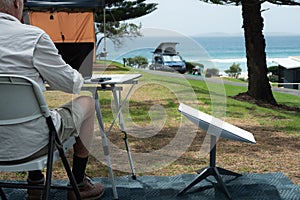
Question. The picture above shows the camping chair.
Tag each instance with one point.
(14, 88)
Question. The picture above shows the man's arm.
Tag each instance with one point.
(54, 69)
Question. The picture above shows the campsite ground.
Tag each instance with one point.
(277, 148)
(275, 151)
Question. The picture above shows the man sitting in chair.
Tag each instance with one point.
(29, 51)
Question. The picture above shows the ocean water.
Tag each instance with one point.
(214, 52)
(224, 51)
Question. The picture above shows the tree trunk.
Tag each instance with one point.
(258, 87)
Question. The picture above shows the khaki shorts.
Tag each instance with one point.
(71, 120)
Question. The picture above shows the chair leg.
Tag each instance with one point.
(46, 192)
(54, 139)
(2, 194)
(69, 173)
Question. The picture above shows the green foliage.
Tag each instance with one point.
(273, 70)
(116, 31)
(238, 2)
(121, 10)
(137, 61)
(234, 70)
(212, 72)
(273, 78)
(118, 11)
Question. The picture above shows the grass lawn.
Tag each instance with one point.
(163, 142)
(234, 80)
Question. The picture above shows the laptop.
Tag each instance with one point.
(80, 57)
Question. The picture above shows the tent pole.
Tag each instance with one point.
(104, 30)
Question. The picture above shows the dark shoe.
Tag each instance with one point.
(88, 190)
(35, 194)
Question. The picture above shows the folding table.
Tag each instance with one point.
(113, 83)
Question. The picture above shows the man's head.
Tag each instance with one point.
(12, 7)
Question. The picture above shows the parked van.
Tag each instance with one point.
(165, 57)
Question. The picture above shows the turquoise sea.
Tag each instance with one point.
(227, 50)
(214, 52)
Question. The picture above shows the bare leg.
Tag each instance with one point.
(88, 190)
(83, 143)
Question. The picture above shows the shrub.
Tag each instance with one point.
(212, 72)
(234, 70)
(273, 78)
(137, 61)
(273, 70)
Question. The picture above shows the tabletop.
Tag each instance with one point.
(112, 78)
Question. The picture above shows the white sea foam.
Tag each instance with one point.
(212, 52)
(238, 60)
(229, 60)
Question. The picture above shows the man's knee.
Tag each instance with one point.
(87, 103)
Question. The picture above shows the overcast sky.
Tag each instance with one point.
(193, 17)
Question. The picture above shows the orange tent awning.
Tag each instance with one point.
(64, 26)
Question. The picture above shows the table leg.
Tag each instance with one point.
(117, 99)
(105, 143)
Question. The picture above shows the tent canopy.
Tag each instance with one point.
(70, 24)
(65, 27)
(64, 5)
(166, 48)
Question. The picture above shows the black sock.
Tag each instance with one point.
(79, 166)
(35, 175)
